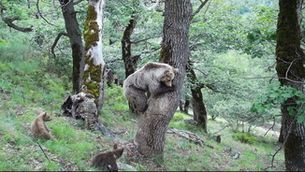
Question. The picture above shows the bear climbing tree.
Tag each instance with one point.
(175, 51)
(153, 79)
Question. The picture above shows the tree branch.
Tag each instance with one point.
(43, 151)
(194, 45)
(143, 40)
(40, 14)
(9, 21)
(271, 128)
(151, 50)
(56, 41)
(203, 3)
(70, 1)
(281, 147)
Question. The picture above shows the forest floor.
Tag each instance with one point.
(25, 89)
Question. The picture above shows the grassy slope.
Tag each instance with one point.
(24, 88)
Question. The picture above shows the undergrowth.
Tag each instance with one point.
(25, 87)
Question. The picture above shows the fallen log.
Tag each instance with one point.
(189, 136)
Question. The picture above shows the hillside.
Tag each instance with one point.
(27, 88)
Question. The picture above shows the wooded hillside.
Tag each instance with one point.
(147, 85)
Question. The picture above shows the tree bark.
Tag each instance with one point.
(290, 70)
(87, 103)
(175, 51)
(130, 61)
(199, 110)
(94, 63)
(75, 37)
(281, 136)
(200, 114)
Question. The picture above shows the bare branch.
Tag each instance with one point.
(151, 7)
(189, 136)
(199, 70)
(113, 60)
(143, 40)
(259, 77)
(152, 50)
(43, 151)
(63, 4)
(56, 41)
(281, 147)
(285, 140)
(291, 80)
(40, 14)
(9, 21)
(194, 45)
(73, 3)
(286, 75)
(200, 7)
(220, 130)
(271, 128)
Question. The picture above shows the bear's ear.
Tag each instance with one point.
(44, 114)
(164, 75)
(115, 146)
(118, 153)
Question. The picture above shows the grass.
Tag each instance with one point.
(26, 87)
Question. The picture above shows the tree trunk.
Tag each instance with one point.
(281, 136)
(175, 51)
(94, 64)
(200, 114)
(184, 105)
(130, 61)
(76, 43)
(290, 70)
(199, 110)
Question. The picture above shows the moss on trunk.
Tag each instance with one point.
(290, 70)
(94, 67)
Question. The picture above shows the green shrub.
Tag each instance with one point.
(178, 116)
(244, 137)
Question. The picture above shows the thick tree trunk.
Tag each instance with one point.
(94, 64)
(130, 61)
(199, 110)
(75, 36)
(290, 70)
(153, 124)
